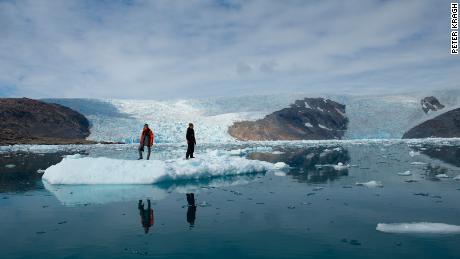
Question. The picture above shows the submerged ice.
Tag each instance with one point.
(102, 170)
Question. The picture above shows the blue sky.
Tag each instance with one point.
(197, 49)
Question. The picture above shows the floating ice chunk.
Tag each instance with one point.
(418, 163)
(277, 152)
(371, 184)
(10, 166)
(101, 170)
(413, 153)
(442, 176)
(279, 173)
(323, 127)
(308, 124)
(406, 173)
(340, 166)
(418, 228)
(457, 178)
(40, 171)
(280, 165)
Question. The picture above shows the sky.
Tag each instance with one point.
(198, 48)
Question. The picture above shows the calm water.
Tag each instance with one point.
(312, 211)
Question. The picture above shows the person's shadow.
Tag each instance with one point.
(146, 215)
(191, 210)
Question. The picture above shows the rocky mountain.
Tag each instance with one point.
(27, 121)
(446, 125)
(431, 103)
(310, 118)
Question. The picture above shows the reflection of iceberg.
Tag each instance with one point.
(102, 170)
(74, 195)
(313, 164)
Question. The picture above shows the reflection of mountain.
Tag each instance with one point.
(23, 176)
(305, 162)
(448, 154)
(76, 195)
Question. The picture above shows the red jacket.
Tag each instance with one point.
(152, 137)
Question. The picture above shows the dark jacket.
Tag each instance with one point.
(190, 136)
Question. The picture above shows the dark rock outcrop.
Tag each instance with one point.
(310, 118)
(27, 121)
(446, 125)
(430, 103)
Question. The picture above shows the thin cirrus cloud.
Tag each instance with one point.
(183, 49)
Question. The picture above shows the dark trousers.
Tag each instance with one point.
(141, 149)
(190, 150)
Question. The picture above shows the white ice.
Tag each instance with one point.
(10, 166)
(340, 166)
(406, 173)
(442, 176)
(418, 228)
(457, 178)
(370, 184)
(418, 163)
(102, 170)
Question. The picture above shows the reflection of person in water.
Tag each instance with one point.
(191, 210)
(146, 215)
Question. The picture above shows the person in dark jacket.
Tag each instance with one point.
(191, 142)
(147, 138)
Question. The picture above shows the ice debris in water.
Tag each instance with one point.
(10, 166)
(371, 184)
(457, 178)
(418, 228)
(442, 176)
(40, 171)
(413, 153)
(406, 173)
(418, 163)
(340, 166)
(101, 170)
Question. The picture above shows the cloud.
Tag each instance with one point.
(182, 49)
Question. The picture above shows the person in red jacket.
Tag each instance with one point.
(147, 138)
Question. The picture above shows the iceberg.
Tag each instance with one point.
(102, 170)
(406, 173)
(418, 228)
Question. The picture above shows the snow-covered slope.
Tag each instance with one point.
(369, 116)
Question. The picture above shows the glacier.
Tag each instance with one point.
(370, 117)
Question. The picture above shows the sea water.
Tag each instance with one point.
(321, 199)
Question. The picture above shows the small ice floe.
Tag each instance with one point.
(318, 188)
(10, 166)
(418, 228)
(457, 178)
(340, 166)
(406, 173)
(40, 171)
(441, 176)
(277, 152)
(418, 163)
(279, 173)
(413, 153)
(280, 165)
(371, 184)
